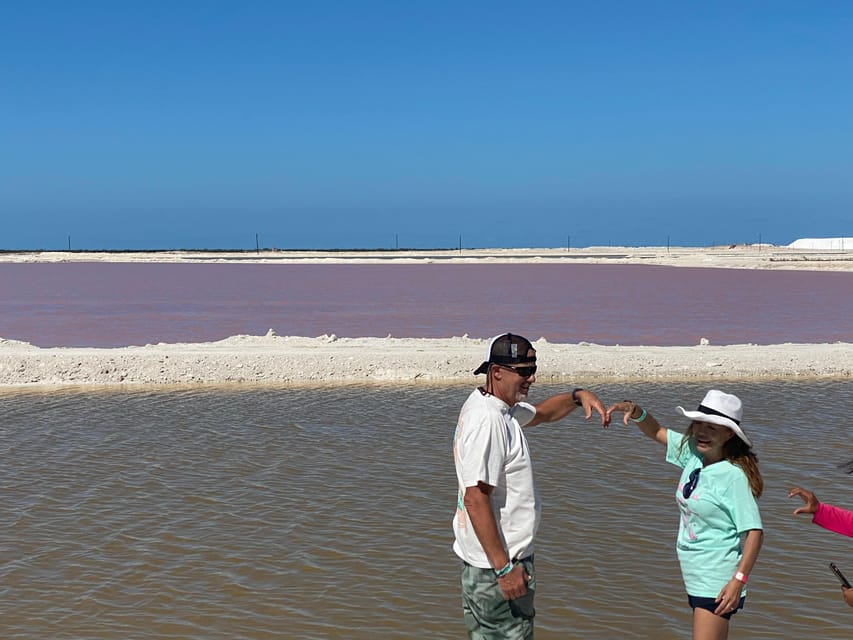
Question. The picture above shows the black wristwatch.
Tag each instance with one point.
(575, 398)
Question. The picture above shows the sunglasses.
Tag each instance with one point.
(524, 372)
(691, 483)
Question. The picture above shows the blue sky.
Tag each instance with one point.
(185, 124)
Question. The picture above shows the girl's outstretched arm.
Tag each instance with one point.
(641, 417)
(825, 515)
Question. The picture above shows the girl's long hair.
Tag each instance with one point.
(741, 454)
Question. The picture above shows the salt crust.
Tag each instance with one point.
(325, 360)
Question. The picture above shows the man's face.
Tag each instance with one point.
(512, 382)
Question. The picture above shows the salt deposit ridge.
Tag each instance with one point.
(274, 359)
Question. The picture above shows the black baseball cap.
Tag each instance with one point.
(507, 349)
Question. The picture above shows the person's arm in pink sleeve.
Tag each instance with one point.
(834, 518)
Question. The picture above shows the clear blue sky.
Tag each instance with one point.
(375, 124)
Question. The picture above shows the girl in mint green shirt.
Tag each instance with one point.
(720, 531)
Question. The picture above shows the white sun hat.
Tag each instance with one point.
(719, 408)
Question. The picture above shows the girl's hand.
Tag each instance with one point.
(729, 597)
(626, 407)
(811, 501)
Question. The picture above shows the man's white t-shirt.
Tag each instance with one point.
(489, 446)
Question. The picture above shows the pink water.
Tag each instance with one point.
(117, 304)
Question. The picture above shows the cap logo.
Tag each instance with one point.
(513, 348)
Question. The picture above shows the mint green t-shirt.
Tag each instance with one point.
(714, 519)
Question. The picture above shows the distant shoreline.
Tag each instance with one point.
(725, 256)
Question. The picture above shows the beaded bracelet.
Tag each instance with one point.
(500, 573)
(641, 418)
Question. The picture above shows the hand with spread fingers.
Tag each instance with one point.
(625, 407)
(811, 502)
(589, 402)
(824, 515)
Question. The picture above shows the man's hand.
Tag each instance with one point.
(514, 584)
(590, 401)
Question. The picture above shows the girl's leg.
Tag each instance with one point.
(707, 626)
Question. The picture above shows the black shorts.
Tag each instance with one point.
(711, 605)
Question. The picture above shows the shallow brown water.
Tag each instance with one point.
(279, 513)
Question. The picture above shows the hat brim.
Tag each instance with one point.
(482, 368)
(723, 421)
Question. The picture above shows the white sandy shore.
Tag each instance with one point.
(728, 256)
(328, 360)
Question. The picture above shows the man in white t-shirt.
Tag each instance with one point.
(498, 509)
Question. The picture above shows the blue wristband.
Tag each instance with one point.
(500, 573)
(642, 417)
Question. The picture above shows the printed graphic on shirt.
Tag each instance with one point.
(686, 512)
(461, 514)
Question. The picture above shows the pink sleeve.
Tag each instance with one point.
(834, 518)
